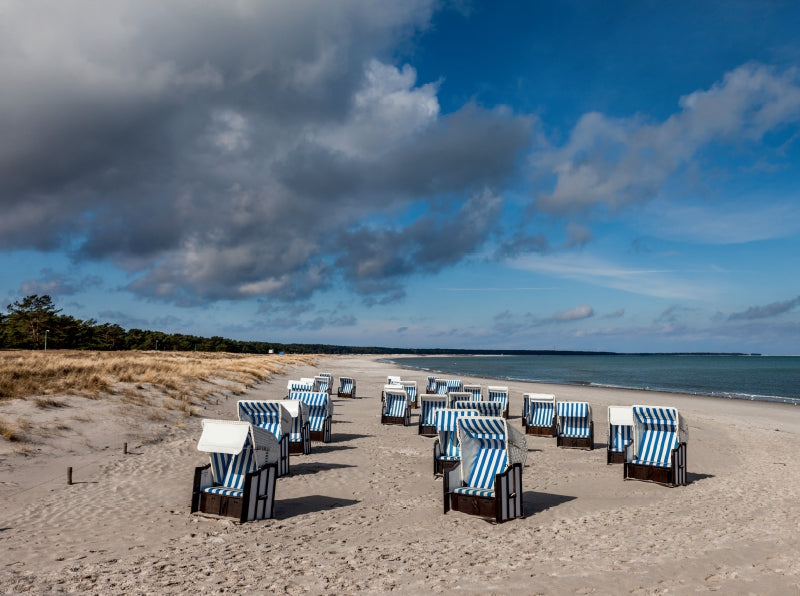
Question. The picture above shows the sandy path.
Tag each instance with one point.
(364, 513)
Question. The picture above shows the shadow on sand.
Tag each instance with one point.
(286, 508)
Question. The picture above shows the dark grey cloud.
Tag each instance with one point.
(237, 150)
(58, 283)
(762, 312)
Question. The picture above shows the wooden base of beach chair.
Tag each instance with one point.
(541, 431)
(615, 457)
(575, 442)
(257, 500)
(302, 447)
(427, 430)
(505, 505)
(674, 475)
(403, 420)
(345, 394)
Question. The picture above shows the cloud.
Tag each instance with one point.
(617, 161)
(58, 284)
(762, 312)
(253, 166)
(575, 314)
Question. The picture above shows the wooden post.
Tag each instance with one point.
(69, 475)
(125, 448)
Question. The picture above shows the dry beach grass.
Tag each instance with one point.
(363, 514)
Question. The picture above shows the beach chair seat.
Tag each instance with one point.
(658, 450)
(238, 481)
(620, 433)
(446, 448)
(410, 387)
(395, 408)
(488, 479)
(475, 390)
(455, 396)
(484, 408)
(427, 411)
(273, 417)
(575, 428)
(539, 414)
(320, 413)
(300, 433)
(431, 386)
(347, 387)
(498, 393)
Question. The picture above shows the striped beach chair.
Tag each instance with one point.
(300, 433)
(575, 428)
(455, 396)
(395, 408)
(658, 450)
(498, 393)
(322, 384)
(475, 390)
(410, 387)
(620, 433)
(238, 482)
(328, 376)
(300, 385)
(428, 406)
(320, 413)
(347, 387)
(484, 408)
(431, 386)
(446, 448)
(539, 414)
(488, 479)
(273, 417)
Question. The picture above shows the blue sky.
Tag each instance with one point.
(507, 175)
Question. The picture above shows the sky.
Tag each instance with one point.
(572, 175)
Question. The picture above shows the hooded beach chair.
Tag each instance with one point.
(539, 414)
(658, 450)
(300, 433)
(475, 390)
(484, 408)
(575, 427)
(320, 413)
(395, 408)
(322, 383)
(620, 433)
(488, 479)
(273, 417)
(498, 393)
(328, 376)
(427, 410)
(410, 388)
(445, 386)
(455, 396)
(238, 482)
(446, 448)
(431, 386)
(347, 387)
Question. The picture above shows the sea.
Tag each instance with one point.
(761, 378)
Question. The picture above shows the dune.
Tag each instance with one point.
(363, 514)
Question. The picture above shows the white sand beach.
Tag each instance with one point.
(363, 514)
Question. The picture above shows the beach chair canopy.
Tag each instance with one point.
(300, 385)
(396, 401)
(445, 386)
(235, 448)
(393, 380)
(620, 427)
(539, 408)
(488, 446)
(428, 406)
(497, 393)
(455, 396)
(485, 408)
(431, 386)
(270, 415)
(320, 407)
(322, 384)
(474, 390)
(656, 432)
(574, 419)
(299, 413)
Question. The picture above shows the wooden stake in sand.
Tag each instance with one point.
(69, 475)
(125, 448)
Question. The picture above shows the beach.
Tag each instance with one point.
(363, 514)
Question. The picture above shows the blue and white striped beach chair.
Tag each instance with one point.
(395, 408)
(347, 387)
(427, 410)
(322, 384)
(455, 396)
(431, 386)
(575, 425)
(498, 393)
(620, 433)
(445, 386)
(484, 408)
(320, 413)
(539, 414)
(273, 417)
(410, 388)
(658, 450)
(300, 434)
(488, 479)
(238, 482)
(475, 390)
(446, 448)
(329, 377)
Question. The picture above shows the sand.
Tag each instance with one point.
(363, 514)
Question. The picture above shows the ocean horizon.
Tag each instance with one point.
(740, 376)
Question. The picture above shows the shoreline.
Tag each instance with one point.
(364, 512)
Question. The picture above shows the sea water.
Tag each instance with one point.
(764, 378)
